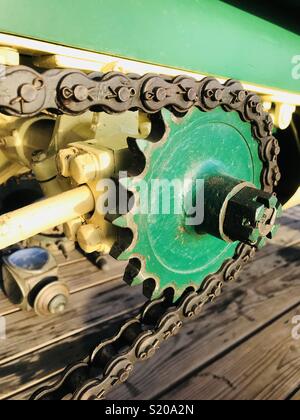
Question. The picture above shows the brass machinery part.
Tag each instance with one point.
(53, 241)
(28, 221)
(170, 318)
(294, 201)
(65, 153)
(34, 287)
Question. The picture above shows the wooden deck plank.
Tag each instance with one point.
(50, 360)
(30, 324)
(247, 307)
(265, 367)
(243, 308)
(78, 274)
(296, 395)
(239, 313)
(27, 332)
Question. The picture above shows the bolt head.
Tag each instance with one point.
(218, 94)
(124, 94)
(28, 93)
(58, 304)
(81, 93)
(89, 238)
(241, 96)
(39, 156)
(191, 94)
(160, 94)
(83, 168)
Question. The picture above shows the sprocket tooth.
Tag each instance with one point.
(157, 293)
(121, 222)
(137, 280)
(124, 256)
(143, 145)
(126, 182)
(177, 294)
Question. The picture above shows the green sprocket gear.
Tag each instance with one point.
(165, 253)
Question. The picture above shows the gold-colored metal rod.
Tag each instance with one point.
(294, 201)
(28, 221)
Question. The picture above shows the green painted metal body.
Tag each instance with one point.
(207, 36)
(201, 145)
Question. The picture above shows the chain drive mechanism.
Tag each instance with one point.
(26, 93)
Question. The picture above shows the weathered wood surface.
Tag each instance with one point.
(240, 347)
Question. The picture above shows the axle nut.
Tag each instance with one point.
(90, 238)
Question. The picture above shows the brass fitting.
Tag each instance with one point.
(87, 167)
(84, 162)
(30, 281)
(71, 228)
(90, 239)
(63, 160)
(9, 56)
(283, 115)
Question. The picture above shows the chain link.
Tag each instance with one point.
(26, 93)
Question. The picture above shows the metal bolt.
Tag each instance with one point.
(241, 96)
(58, 304)
(218, 94)
(190, 314)
(191, 94)
(160, 94)
(209, 93)
(148, 96)
(124, 374)
(28, 93)
(38, 83)
(259, 108)
(150, 351)
(125, 93)
(218, 290)
(39, 156)
(81, 93)
(173, 329)
(167, 335)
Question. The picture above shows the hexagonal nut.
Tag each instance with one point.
(63, 160)
(83, 168)
(90, 238)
